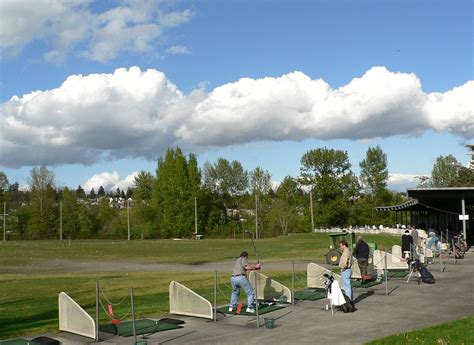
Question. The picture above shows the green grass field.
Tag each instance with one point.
(30, 282)
(460, 332)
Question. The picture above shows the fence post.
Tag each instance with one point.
(386, 273)
(293, 285)
(256, 298)
(133, 316)
(215, 295)
(97, 311)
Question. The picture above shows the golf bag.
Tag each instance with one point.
(426, 276)
(347, 307)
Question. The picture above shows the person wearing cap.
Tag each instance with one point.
(345, 263)
(239, 280)
(407, 242)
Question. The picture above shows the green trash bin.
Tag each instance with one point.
(269, 321)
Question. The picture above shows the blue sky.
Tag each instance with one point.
(423, 50)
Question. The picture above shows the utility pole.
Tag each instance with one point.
(4, 221)
(195, 216)
(311, 205)
(60, 220)
(128, 218)
(257, 236)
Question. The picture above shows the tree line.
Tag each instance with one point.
(223, 197)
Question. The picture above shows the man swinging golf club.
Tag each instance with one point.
(239, 280)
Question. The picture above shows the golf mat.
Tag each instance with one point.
(310, 295)
(262, 309)
(125, 329)
(398, 274)
(18, 342)
(365, 284)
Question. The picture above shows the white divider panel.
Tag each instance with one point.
(393, 262)
(314, 275)
(268, 288)
(356, 269)
(397, 251)
(74, 319)
(184, 301)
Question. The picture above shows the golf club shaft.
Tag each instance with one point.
(255, 249)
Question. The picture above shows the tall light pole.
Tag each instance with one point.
(4, 221)
(311, 205)
(257, 236)
(128, 218)
(195, 217)
(60, 220)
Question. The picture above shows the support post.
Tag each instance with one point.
(60, 220)
(463, 207)
(133, 316)
(128, 218)
(386, 273)
(293, 284)
(311, 205)
(97, 311)
(454, 251)
(215, 296)
(256, 299)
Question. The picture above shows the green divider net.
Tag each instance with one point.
(125, 329)
(18, 342)
(262, 309)
(310, 295)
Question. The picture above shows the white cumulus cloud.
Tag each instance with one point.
(110, 181)
(65, 26)
(400, 182)
(135, 113)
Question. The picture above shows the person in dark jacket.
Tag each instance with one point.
(361, 253)
(407, 241)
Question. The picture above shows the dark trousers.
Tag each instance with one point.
(363, 263)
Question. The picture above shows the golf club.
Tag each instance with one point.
(255, 249)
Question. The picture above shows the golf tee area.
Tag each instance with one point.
(34, 273)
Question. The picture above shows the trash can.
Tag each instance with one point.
(269, 321)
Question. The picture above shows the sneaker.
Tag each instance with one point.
(250, 310)
(231, 309)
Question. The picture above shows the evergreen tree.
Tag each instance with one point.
(92, 194)
(80, 193)
(101, 192)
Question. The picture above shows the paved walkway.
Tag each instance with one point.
(408, 306)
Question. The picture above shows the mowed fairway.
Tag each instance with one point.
(32, 273)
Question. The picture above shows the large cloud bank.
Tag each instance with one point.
(134, 113)
(73, 26)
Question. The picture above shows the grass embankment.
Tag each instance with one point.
(459, 332)
(28, 301)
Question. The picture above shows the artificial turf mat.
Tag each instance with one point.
(262, 309)
(18, 342)
(398, 274)
(366, 284)
(310, 295)
(125, 329)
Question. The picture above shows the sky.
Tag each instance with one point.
(98, 90)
